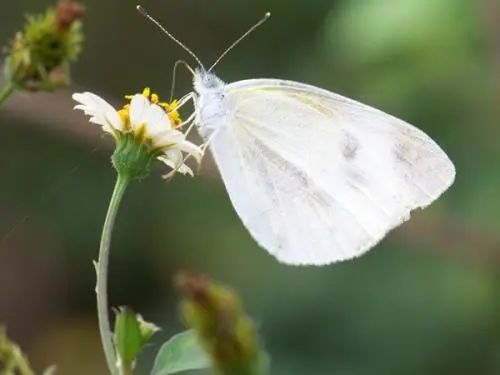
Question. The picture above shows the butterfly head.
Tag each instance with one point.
(206, 81)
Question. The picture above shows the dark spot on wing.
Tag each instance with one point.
(400, 150)
(407, 155)
(350, 146)
(355, 178)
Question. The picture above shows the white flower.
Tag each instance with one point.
(150, 121)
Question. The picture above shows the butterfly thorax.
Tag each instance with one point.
(211, 107)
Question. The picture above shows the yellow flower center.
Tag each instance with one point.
(171, 109)
(125, 116)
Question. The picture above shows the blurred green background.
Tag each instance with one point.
(424, 301)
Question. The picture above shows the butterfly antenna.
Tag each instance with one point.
(141, 10)
(263, 19)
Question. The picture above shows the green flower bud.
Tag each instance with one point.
(229, 336)
(39, 55)
(12, 360)
(131, 334)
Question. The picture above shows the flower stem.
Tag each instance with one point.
(6, 91)
(102, 273)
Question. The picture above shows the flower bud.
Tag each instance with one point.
(12, 360)
(39, 55)
(131, 334)
(226, 332)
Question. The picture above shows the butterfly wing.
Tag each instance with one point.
(318, 178)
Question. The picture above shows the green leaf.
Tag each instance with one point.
(128, 337)
(181, 353)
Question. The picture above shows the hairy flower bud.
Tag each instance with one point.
(12, 360)
(226, 332)
(39, 55)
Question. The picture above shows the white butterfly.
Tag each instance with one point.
(315, 177)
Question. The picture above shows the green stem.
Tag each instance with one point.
(6, 91)
(102, 273)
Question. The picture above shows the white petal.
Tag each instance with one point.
(138, 107)
(184, 169)
(157, 121)
(114, 120)
(168, 137)
(191, 149)
(99, 103)
(175, 160)
(101, 111)
(175, 155)
(82, 98)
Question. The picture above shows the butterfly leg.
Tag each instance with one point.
(185, 99)
(203, 147)
(190, 119)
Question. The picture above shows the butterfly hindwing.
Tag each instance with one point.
(318, 178)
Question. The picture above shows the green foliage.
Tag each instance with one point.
(181, 353)
(376, 31)
(411, 51)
